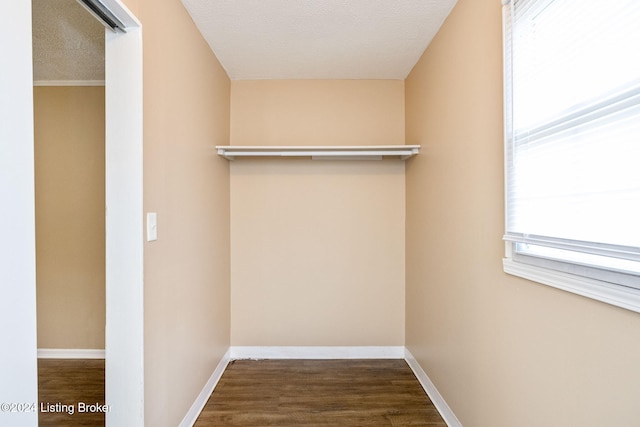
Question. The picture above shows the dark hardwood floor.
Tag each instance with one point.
(319, 393)
(262, 393)
(68, 391)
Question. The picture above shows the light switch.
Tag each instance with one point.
(152, 226)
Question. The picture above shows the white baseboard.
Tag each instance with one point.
(438, 401)
(316, 352)
(193, 413)
(71, 353)
(68, 82)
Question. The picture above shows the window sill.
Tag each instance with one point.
(619, 296)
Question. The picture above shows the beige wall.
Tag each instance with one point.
(317, 112)
(503, 351)
(186, 295)
(70, 245)
(317, 248)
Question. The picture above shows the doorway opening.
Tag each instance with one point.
(69, 161)
(101, 316)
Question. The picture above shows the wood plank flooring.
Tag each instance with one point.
(319, 393)
(70, 383)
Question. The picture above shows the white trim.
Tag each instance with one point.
(313, 352)
(620, 296)
(68, 82)
(70, 353)
(124, 332)
(194, 412)
(436, 398)
(330, 152)
(19, 377)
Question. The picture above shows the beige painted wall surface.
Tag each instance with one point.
(503, 351)
(186, 308)
(317, 248)
(317, 112)
(70, 244)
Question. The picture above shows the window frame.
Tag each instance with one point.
(558, 274)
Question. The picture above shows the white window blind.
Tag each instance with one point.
(572, 130)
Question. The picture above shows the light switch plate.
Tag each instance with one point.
(152, 226)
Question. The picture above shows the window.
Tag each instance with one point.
(572, 145)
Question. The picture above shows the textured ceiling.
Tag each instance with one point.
(318, 39)
(260, 39)
(68, 42)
